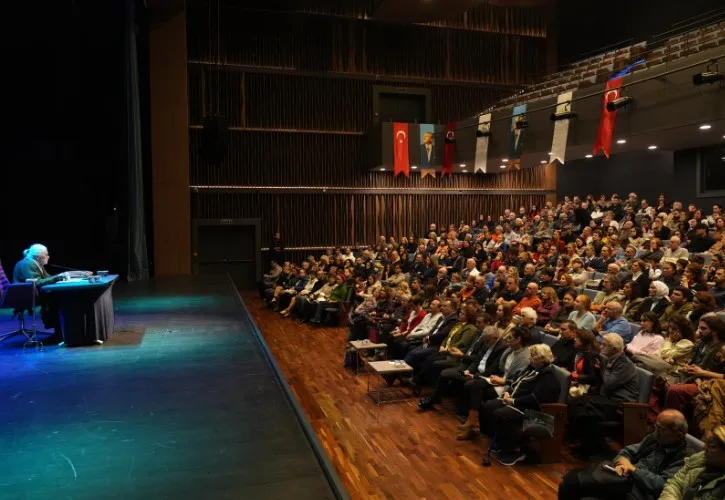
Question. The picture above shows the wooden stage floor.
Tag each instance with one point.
(391, 451)
(180, 403)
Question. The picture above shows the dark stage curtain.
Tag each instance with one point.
(137, 261)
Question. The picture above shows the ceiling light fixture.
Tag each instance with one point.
(705, 127)
(589, 156)
(621, 141)
(382, 169)
(414, 167)
(505, 160)
(502, 166)
(462, 165)
(710, 75)
(543, 162)
(463, 170)
(652, 147)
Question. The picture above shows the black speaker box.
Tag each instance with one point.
(215, 139)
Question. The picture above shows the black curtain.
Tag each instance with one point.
(137, 265)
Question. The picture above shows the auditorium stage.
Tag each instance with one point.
(182, 402)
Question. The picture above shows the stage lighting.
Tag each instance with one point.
(480, 133)
(522, 124)
(564, 115)
(619, 102)
(707, 77)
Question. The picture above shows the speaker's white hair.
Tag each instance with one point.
(34, 250)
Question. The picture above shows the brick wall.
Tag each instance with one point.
(599, 68)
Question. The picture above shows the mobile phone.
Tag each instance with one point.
(609, 468)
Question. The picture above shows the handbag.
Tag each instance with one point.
(538, 425)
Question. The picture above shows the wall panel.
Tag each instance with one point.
(317, 219)
(297, 88)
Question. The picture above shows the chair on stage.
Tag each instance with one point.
(21, 298)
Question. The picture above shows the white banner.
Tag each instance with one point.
(484, 126)
(561, 128)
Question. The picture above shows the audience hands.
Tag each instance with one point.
(468, 375)
(624, 467)
(496, 380)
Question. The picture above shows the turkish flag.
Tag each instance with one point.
(400, 149)
(449, 149)
(608, 118)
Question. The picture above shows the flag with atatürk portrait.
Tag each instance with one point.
(401, 156)
(516, 143)
(607, 119)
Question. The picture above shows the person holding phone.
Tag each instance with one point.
(639, 470)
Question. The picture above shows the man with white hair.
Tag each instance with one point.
(470, 270)
(619, 385)
(31, 267)
(673, 252)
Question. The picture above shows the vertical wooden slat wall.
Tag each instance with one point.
(297, 88)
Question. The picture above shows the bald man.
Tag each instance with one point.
(611, 321)
(648, 464)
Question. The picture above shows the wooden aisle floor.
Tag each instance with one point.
(391, 451)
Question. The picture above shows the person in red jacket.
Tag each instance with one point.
(397, 345)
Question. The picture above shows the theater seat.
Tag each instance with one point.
(550, 450)
(634, 415)
(548, 339)
(591, 293)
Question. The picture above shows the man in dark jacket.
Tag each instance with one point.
(439, 333)
(32, 267)
(563, 349)
(484, 362)
(648, 464)
(619, 385)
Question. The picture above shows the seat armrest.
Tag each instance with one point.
(635, 422)
(550, 450)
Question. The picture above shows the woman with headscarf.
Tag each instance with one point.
(657, 301)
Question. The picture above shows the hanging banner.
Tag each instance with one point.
(400, 149)
(484, 127)
(449, 150)
(561, 128)
(427, 171)
(608, 118)
(516, 144)
(428, 153)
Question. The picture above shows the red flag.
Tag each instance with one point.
(608, 118)
(449, 149)
(400, 149)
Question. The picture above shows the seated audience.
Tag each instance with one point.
(703, 475)
(477, 363)
(639, 471)
(565, 309)
(648, 340)
(611, 321)
(587, 373)
(680, 304)
(564, 348)
(549, 307)
(502, 418)
(581, 315)
(619, 385)
(481, 388)
(657, 301)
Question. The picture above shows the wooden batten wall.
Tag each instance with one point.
(297, 89)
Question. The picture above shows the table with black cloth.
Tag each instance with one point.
(85, 308)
